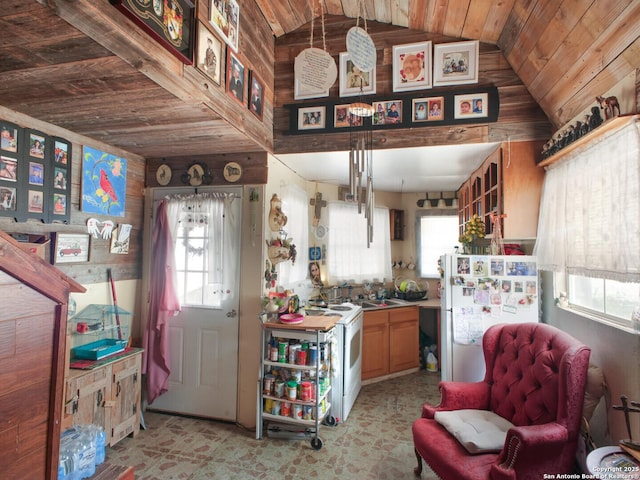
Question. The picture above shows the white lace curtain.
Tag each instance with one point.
(214, 211)
(348, 257)
(589, 222)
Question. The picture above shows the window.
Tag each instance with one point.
(589, 223)
(437, 234)
(348, 258)
(613, 300)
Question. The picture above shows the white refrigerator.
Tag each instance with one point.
(480, 291)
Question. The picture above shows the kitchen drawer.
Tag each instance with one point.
(403, 314)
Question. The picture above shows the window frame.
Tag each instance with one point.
(435, 212)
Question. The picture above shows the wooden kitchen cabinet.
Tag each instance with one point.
(108, 395)
(404, 339)
(375, 344)
(508, 182)
(390, 341)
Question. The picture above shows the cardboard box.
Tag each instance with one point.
(38, 244)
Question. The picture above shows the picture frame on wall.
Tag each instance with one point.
(104, 183)
(256, 95)
(209, 54)
(387, 112)
(8, 169)
(235, 78)
(8, 199)
(70, 247)
(302, 92)
(428, 109)
(8, 137)
(455, 63)
(343, 119)
(171, 24)
(224, 16)
(412, 66)
(312, 118)
(353, 81)
(473, 105)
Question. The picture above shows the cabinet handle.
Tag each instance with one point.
(118, 389)
(99, 399)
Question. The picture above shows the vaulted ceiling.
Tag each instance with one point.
(66, 63)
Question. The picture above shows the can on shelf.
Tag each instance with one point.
(268, 405)
(293, 351)
(275, 407)
(296, 409)
(279, 388)
(292, 390)
(312, 355)
(307, 412)
(283, 351)
(268, 382)
(301, 357)
(296, 375)
(273, 354)
(306, 391)
(285, 409)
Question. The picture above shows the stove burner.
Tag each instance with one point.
(332, 314)
(315, 312)
(340, 308)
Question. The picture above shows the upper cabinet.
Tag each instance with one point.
(508, 182)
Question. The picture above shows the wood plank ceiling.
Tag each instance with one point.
(565, 51)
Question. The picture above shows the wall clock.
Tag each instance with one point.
(163, 174)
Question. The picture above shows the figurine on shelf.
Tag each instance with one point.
(277, 218)
(595, 120)
(609, 106)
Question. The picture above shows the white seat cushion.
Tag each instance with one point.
(479, 431)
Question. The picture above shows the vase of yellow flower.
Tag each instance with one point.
(474, 230)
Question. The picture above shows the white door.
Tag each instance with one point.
(204, 335)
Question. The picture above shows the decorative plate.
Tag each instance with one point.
(291, 318)
(232, 172)
(163, 174)
(196, 174)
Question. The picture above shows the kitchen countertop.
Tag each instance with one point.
(433, 303)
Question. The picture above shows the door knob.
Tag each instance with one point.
(232, 313)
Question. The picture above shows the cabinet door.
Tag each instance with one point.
(125, 398)
(86, 396)
(404, 339)
(375, 344)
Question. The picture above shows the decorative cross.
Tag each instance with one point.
(318, 203)
(628, 409)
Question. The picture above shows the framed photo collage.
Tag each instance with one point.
(35, 173)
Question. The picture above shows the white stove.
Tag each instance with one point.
(347, 381)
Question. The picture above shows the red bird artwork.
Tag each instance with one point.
(105, 184)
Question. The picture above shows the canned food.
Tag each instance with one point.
(296, 409)
(285, 409)
(312, 355)
(296, 375)
(301, 357)
(292, 390)
(275, 408)
(268, 382)
(279, 388)
(283, 352)
(307, 412)
(293, 350)
(273, 354)
(268, 405)
(306, 391)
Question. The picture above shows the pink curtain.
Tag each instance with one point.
(163, 304)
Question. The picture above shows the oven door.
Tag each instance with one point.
(352, 363)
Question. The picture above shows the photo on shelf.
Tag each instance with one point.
(412, 66)
(455, 63)
(343, 119)
(428, 109)
(36, 145)
(475, 105)
(310, 118)
(388, 112)
(353, 81)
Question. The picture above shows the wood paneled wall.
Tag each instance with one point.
(520, 117)
(124, 267)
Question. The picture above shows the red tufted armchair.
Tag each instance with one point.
(535, 378)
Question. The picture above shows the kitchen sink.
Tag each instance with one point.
(387, 302)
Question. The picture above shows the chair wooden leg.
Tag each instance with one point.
(418, 470)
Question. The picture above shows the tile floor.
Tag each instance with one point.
(375, 443)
